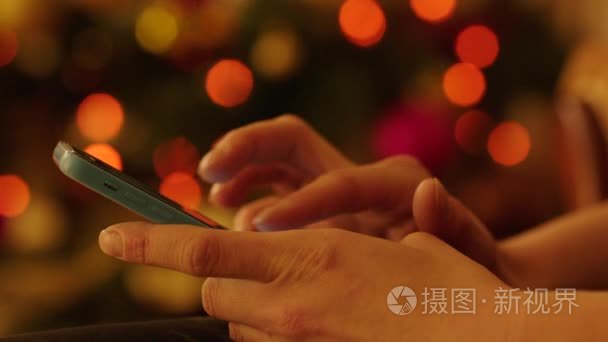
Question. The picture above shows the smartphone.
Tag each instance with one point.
(124, 190)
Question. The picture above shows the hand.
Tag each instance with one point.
(320, 284)
(316, 186)
(313, 183)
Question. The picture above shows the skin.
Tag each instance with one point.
(331, 284)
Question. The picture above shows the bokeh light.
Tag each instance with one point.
(509, 143)
(433, 10)
(183, 188)
(229, 83)
(14, 12)
(8, 46)
(42, 228)
(464, 84)
(422, 130)
(471, 131)
(106, 154)
(14, 195)
(276, 54)
(177, 155)
(362, 21)
(156, 29)
(99, 117)
(478, 45)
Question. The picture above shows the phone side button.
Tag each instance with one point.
(135, 199)
(160, 212)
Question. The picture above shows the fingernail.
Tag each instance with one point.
(111, 243)
(260, 222)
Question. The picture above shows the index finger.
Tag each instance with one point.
(284, 139)
(200, 252)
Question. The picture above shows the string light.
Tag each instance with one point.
(182, 188)
(177, 155)
(156, 29)
(362, 21)
(8, 47)
(433, 11)
(99, 117)
(509, 143)
(14, 195)
(464, 84)
(478, 45)
(106, 154)
(229, 83)
(471, 131)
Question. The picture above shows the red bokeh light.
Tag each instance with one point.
(105, 153)
(14, 195)
(229, 83)
(464, 84)
(182, 188)
(433, 10)
(177, 155)
(509, 143)
(362, 22)
(8, 47)
(99, 117)
(478, 45)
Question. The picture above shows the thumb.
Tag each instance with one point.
(438, 213)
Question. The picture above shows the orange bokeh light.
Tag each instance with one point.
(106, 154)
(362, 22)
(8, 47)
(464, 84)
(509, 143)
(433, 10)
(229, 83)
(471, 131)
(177, 155)
(14, 195)
(182, 188)
(99, 117)
(478, 45)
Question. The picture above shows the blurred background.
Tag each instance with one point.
(502, 100)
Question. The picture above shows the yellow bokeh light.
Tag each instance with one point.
(276, 54)
(156, 29)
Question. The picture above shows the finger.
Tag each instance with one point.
(438, 213)
(285, 139)
(243, 220)
(386, 186)
(234, 192)
(197, 251)
(241, 332)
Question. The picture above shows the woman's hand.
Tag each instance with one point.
(313, 182)
(316, 186)
(318, 284)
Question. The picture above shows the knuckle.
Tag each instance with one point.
(323, 257)
(209, 295)
(202, 255)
